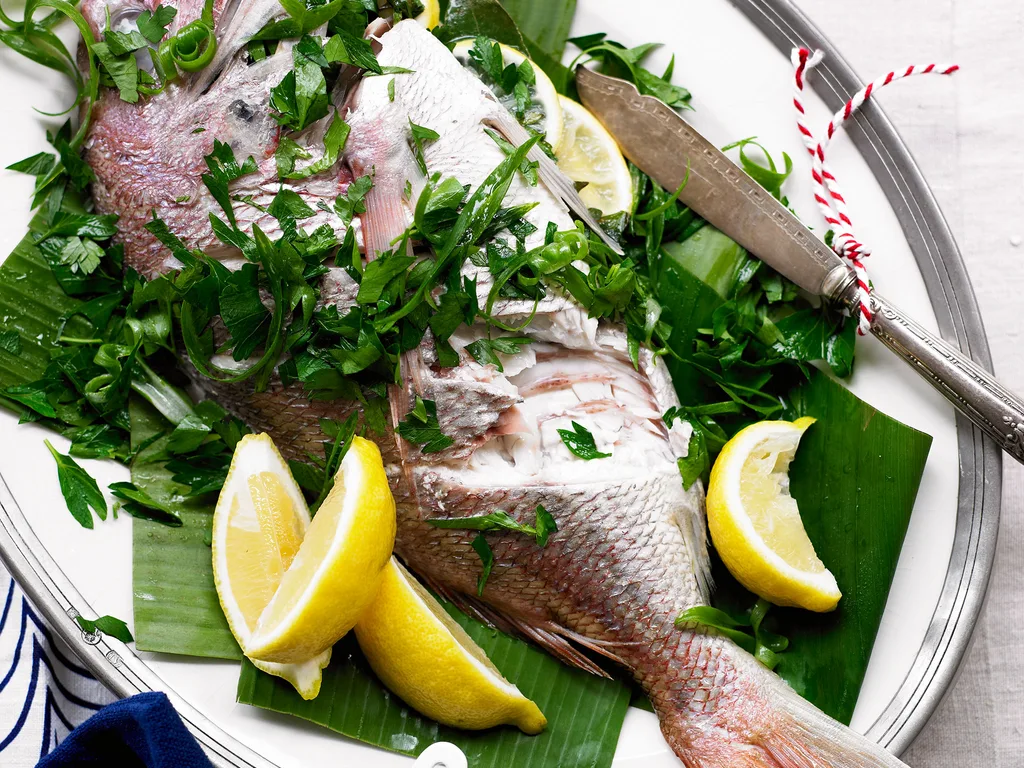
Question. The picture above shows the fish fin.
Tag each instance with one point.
(551, 175)
(692, 522)
(549, 636)
(386, 216)
(768, 726)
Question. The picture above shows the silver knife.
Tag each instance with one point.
(665, 147)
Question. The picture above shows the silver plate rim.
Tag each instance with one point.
(949, 289)
(956, 308)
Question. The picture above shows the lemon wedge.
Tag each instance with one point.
(431, 15)
(430, 662)
(258, 526)
(755, 523)
(338, 567)
(546, 114)
(588, 153)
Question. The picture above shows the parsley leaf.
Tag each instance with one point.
(500, 520)
(697, 461)
(764, 645)
(153, 26)
(300, 99)
(81, 493)
(346, 48)
(422, 428)
(484, 351)
(39, 164)
(107, 625)
(545, 525)
(243, 312)
(224, 169)
(580, 441)
(354, 200)
(483, 549)
(334, 143)
(419, 135)
(619, 61)
(138, 503)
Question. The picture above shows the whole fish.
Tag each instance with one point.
(630, 553)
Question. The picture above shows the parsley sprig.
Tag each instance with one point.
(499, 520)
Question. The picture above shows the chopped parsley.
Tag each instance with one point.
(107, 625)
(138, 503)
(80, 490)
(483, 550)
(765, 646)
(421, 428)
(485, 351)
(153, 25)
(544, 524)
(419, 135)
(580, 442)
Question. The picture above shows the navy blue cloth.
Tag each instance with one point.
(143, 731)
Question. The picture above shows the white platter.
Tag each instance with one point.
(734, 58)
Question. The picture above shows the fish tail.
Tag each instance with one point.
(766, 726)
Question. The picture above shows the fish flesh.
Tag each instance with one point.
(630, 553)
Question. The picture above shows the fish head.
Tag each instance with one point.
(151, 155)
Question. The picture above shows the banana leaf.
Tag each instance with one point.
(175, 603)
(545, 24)
(854, 503)
(585, 713)
(32, 305)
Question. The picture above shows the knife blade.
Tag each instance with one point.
(665, 147)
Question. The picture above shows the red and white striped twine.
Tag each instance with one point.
(826, 189)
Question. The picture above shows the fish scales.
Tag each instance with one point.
(630, 553)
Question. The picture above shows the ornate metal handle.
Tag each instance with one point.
(972, 389)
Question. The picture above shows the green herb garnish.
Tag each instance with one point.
(81, 492)
(544, 524)
(580, 441)
(483, 549)
(107, 625)
(419, 135)
(138, 503)
(421, 427)
(764, 645)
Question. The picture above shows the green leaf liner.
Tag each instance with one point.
(545, 24)
(31, 305)
(585, 713)
(855, 478)
(174, 599)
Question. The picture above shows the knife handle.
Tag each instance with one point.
(972, 389)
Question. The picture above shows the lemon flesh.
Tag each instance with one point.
(755, 522)
(258, 526)
(549, 117)
(338, 567)
(588, 153)
(431, 15)
(429, 661)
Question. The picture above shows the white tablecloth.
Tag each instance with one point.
(966, 133)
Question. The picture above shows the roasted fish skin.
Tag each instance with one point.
(149, 156)
(630, 553)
